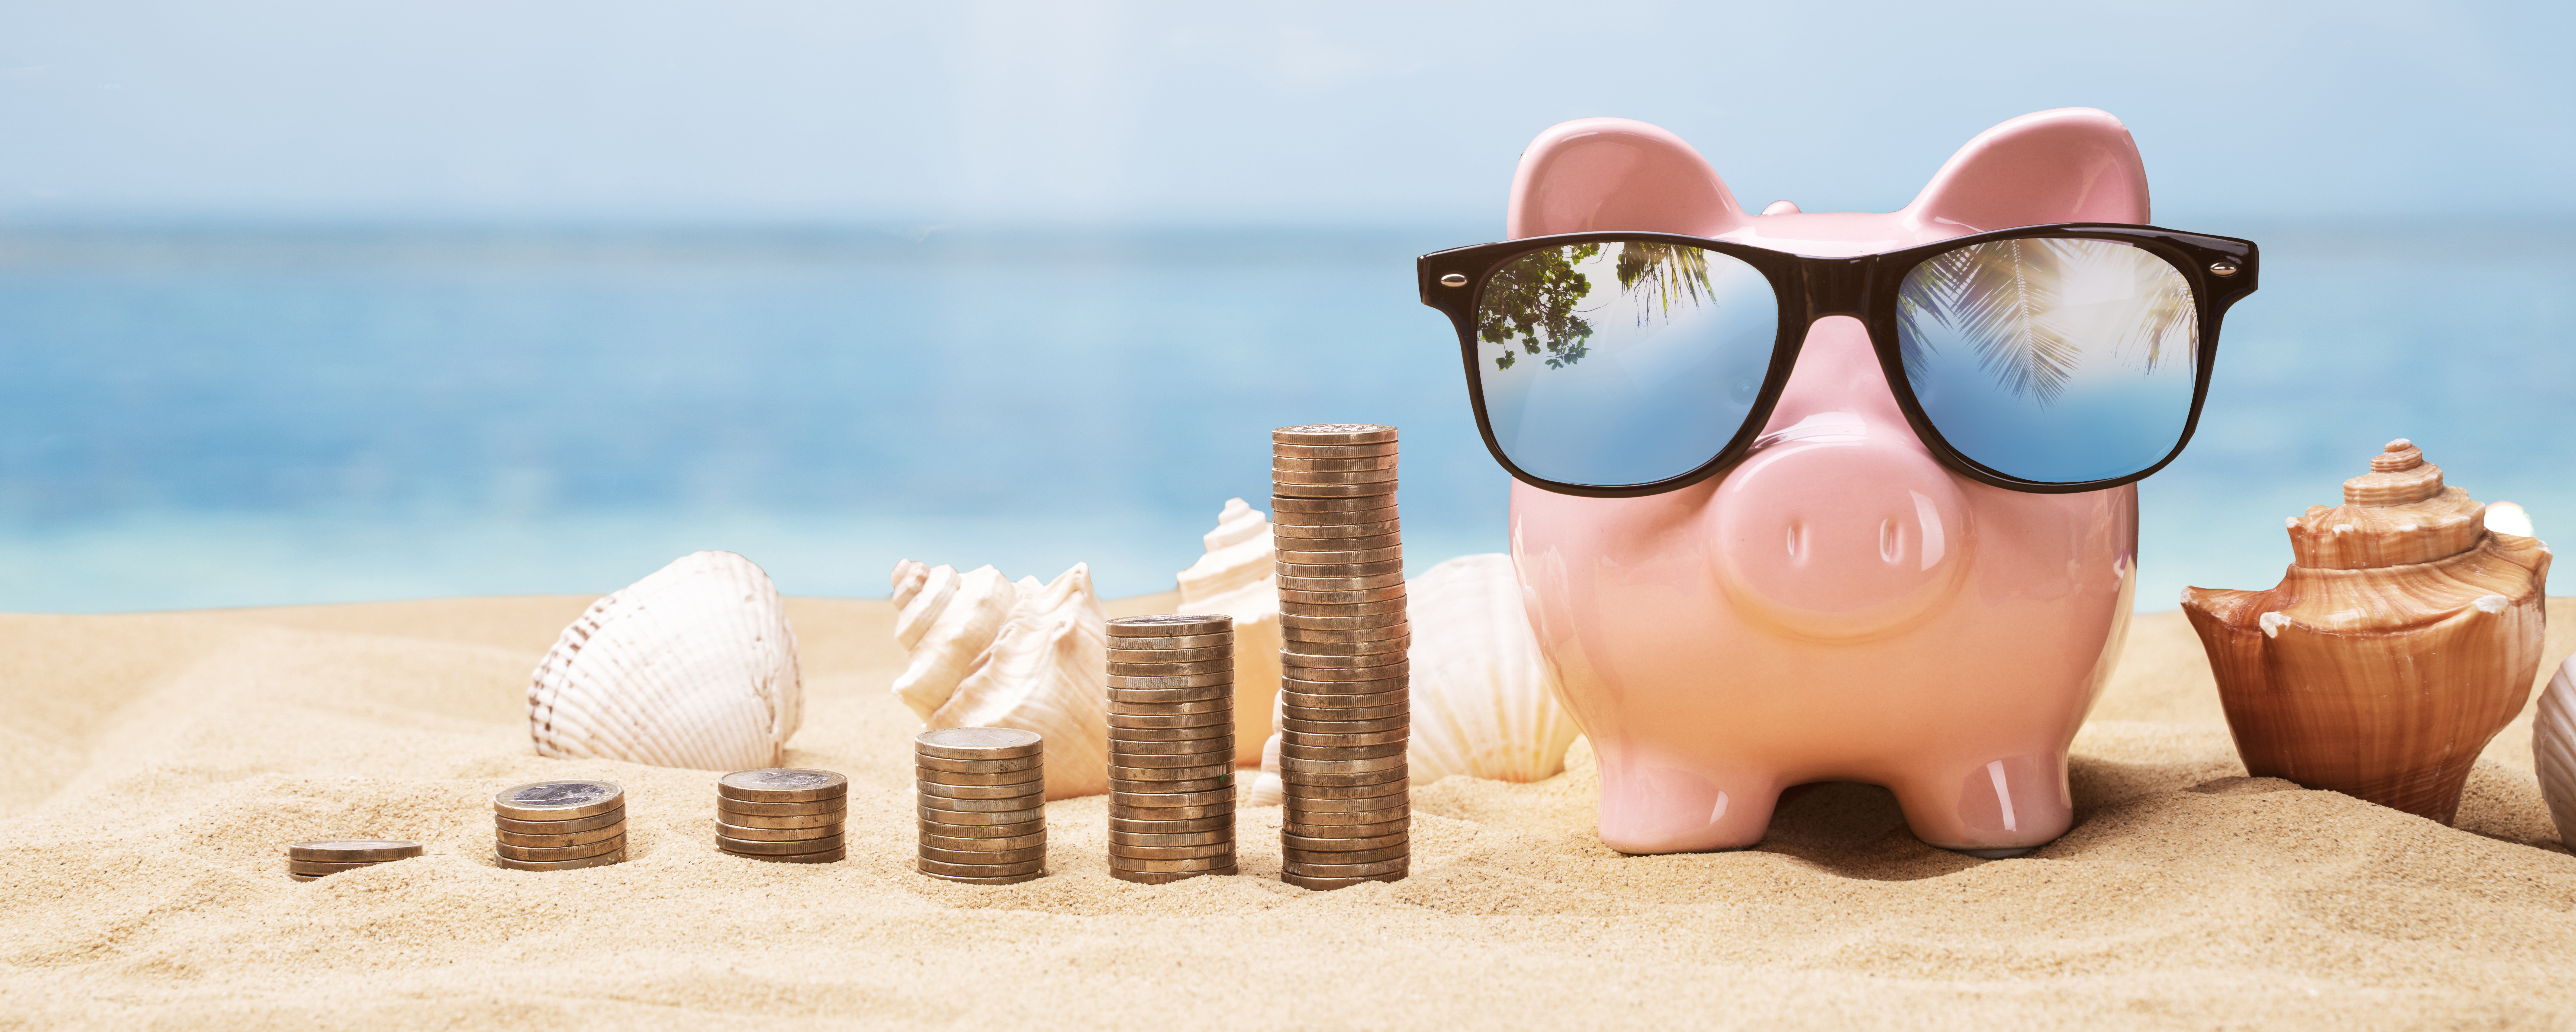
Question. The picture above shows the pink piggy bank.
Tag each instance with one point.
(1863, 580)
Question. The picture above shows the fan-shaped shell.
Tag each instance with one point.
(987, 652)
(694, 666)
(2553, 750)
(1237, 578)
(2404, 637)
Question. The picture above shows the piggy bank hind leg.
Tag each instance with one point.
(1999, 807)
(1661, 803)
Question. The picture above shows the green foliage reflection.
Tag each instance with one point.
(1537, 300)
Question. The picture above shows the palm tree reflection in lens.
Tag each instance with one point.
(2034, 310)
(1538, 297)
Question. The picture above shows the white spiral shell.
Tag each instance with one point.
(1236, 577)
(694, 666)
(987, 652)
(2553, 750)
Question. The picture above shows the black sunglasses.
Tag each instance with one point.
(2067, 357)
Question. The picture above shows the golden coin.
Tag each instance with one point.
(558, 800)
(1170, 814)
(1025, 788)
(1350, 797)
(1399, 815)
(943, 829)
(979, 870)
(1310, 510)
(1307, 571)
(783, 785)
(1150, 787)
(736, 831)
(1293, 629)
(1164, 877)
(1008, 880)
(1370, 765)
(1225, 848)
(1290, 462)
(1170, 625)
(1395, 737)
(1311, 811)
(1329, 884)
(1341, 779)
(1211, 679)
(353, 850)
(983, 845)
(1031, 776)
(583, 851)
(1359, 870)
(1343, 843)
(1032, 815)
(1203, 752)
(305, 877)
(1386, 647)
(577, 838)
(1300, 532)
(825, 857)
(983, 858)
(1305, 714)
(1312, 434)
(1340, 752)
(811, 820)
(318, 868)
(1320, 862)
(1117, 655)
(1001, 766)
(1224, 823)
(1122, 772)
(1198, 865)
(1173, 838)
(978, 743)
(1329, 557)
(836, 804)
(1351, 700)
(1202, 668)
(1345, 727)
(1171, 735)
(601, 860)
(1335, 598)
(1328, 666)
(1219, 700)
(597, 820)
(1344, 610)
(1154, 719)
(1171, 800)
(1280, 450)
(758, 847)
(1329, 476)
(1223, 639)
(933, 802)
(1286, 489)
(1292, 828)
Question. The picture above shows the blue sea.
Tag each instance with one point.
(229, 416)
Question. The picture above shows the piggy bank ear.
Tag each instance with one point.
(1612, 173)
(2067, 165)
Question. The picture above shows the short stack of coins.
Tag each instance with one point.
(982, 796)
(1171, 747)
(559, 825)
(319, 858)
(786, 815)
(1345, 713)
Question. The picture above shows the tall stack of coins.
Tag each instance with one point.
(306, 861)
(1171, 747)
(783, 814)
(558, 825)
(982, 804)
(1345, 714)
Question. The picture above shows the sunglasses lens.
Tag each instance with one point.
(2060, 361)
(1620, 363)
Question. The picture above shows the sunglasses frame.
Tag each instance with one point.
(1864, 287)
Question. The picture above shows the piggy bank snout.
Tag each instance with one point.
(1841, 538)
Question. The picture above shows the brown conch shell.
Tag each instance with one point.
(2402, 639)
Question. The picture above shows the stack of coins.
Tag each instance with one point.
(784, 814)
(1171, 747)
(1345, 714)
(559, 825)
(306, 861)
(983, 804)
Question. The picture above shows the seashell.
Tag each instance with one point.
(988, 652)
(2403, 637)
(694, 666)
(2508, 518)
(2553, 750)
(1235, 577)
(1484, 698)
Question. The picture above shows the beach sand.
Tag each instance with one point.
(152, 768)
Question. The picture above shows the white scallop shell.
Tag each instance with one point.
(1237, 578)
(2553, 750)
(987, 652)
(694, 666)
(1484, 698)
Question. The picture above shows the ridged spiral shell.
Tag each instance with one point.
(1237, 578)
(694, 666)
(989, 652)
(2553, 750)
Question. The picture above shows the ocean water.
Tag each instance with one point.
(225, 416)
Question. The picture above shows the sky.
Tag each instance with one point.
(1327, 114)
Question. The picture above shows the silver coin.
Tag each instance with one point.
(1397, 737)
(920, 762)
(1293, 462)
(932, 802)
(1281, 450)
(549, 855)
(353, 850)
(597, 820)
(1223, 666)
(1170, 681)
(810, 820)
(943, 829)
(1199, 655)
(1372, 765)
(783, 785)
(601, 860)
(1162, 787)
(1223, 822)
(1347, 870)
(1311, 861)
(980, 870)
(1164, 877)
(757, 847)
(1025, 788)
(1222, 726)
(576, 838)
(1009, 880)
(1033, 775)
(1171, 852)
(1169, 721)
(1186, 838)
(1342, 779)
(558, 800)
(959, 818)
(1214, 703)
(1334, 433)
(978, 743)
(1330, 476)
(1170, 625)
(749, 834)
(836, 804)
(983, 858)
(1190, 641)
(1401, 721)
(1343, 844)
(976, 845)
(1191, 773)
(1351, 798)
